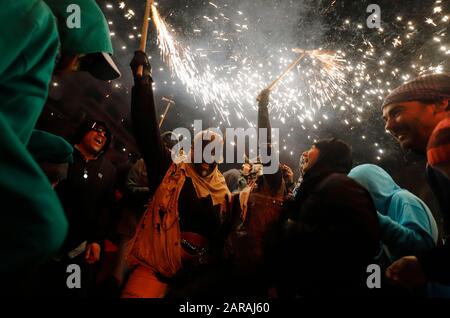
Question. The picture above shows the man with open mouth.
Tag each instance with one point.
(86, 195)
(414, 113)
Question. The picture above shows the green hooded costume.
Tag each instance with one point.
(33, 223)
(34, 226)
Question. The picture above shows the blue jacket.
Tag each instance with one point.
(407, 225)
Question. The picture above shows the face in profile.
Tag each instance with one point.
(410, 123)
(309, 158)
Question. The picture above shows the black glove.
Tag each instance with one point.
(140, 58)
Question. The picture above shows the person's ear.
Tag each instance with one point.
(446, 104)
(442, 106)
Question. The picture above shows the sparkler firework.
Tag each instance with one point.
(321, 81)
(223, 57)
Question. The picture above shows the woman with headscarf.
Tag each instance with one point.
(333, 232)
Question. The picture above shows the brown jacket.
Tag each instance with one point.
(257, 216)
(156, 244)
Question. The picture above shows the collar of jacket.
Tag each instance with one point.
(311, 179)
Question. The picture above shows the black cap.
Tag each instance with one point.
(335, 155)
(89, 125)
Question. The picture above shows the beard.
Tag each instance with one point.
(413, 142)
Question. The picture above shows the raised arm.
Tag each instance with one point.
(263, 118)
(145, 125)
(274, 179)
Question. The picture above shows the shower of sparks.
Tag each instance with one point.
(322, 80)
(183, 64)
(344, 85)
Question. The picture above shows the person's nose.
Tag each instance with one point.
(389, 126)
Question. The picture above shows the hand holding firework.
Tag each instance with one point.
(263, 97)
(140, 65)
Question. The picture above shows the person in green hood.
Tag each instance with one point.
(53, 154)
(33, 224)
(85, 39)
(406, 223)
(34, 46)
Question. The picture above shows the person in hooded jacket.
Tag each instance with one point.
(333, 233)
(33, 224)
(407, 224)
(36, 44)
(87, 195)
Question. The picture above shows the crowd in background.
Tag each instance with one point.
(161, 227)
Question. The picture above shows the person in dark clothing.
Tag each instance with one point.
(257, 214)
(182, 230)
(332, 234)
(88, 191)
(412, 112)
(87, 195)
(232, 179)
(37, 44)
(136, 195)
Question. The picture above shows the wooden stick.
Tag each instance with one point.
(143, 43)
(169, 103)
(290, 67)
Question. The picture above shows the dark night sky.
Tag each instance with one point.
(272, 24)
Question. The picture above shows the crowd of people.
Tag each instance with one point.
(180, 228)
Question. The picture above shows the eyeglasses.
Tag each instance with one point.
(98, 128)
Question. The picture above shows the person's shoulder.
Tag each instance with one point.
(340, 183)
(407, 199)
(338, 180)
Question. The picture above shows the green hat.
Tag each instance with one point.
(90, 37)
(46, 147)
